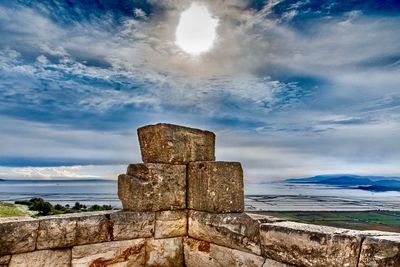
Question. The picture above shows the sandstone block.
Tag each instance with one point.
(18, 236)
(205, 254)
(73, 229)
(171, 223)
(234, 230)
(164, 252)
(116, 253)
(167, 143)
(153, 187)
(131, 225)
(309, 245)
(93, 228)
(4, 260)
(380, 251)
(272, 263)
(40, 258)
(215, 186)
(57, 232)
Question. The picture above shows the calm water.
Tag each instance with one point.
(267, 196)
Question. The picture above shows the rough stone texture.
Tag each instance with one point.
(117, 253)
(264, 218)
(57, 232)
(40, 258)
(380, 251)
(205, 254)
(164, 252)
(215, 186)
(93, 229)
(4, 260)
(234, 230)
(171, 223)
(73, 229)
(130, 225)
(309, 245)
(153, 187)
(272, 263)
(18, 236)
(166, 143)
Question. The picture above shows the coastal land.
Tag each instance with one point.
(357, 220)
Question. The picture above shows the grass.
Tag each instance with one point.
(358, 220)
(13, 210)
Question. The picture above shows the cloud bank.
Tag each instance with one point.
(301, 88)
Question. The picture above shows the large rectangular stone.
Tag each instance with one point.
(171, 223)
(380, 251)
(18, 236)
(164, 252)
(205, 254)
(310, 245)
(153, 187)
(215, 186)
(116, 253)
(131, 225)
(68, 230)
(167, 143)
(41, 258)
(234, 230)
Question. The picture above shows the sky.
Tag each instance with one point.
(291, 88)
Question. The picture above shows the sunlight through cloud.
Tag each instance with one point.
(196, 31)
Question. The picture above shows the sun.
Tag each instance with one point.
(196, 31)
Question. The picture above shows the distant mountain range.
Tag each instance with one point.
(370, 183)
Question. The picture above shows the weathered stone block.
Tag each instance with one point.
(18, 236)
(380, 251)
(171, 223)
(164, 252)
(40, 258)
(116, 253)
(153, 187)
(309, 245)
(73, 229)
(205, 254)
(132, 225)
(167, 143)
(215, 186)
(93, 228)
(57, 232)
(234, 230)
(272, 263)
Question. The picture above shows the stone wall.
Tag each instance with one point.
(183, 208)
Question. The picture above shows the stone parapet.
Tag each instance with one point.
(211, 240)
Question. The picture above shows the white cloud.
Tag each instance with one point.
(62, 172)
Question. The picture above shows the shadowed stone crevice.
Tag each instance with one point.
(359, 251)
(110, 227)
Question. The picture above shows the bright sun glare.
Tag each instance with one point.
(196, 31)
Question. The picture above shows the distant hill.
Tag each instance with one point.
(371, 183)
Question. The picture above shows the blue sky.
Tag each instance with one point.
(292, 88)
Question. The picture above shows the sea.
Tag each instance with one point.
(265, 196)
